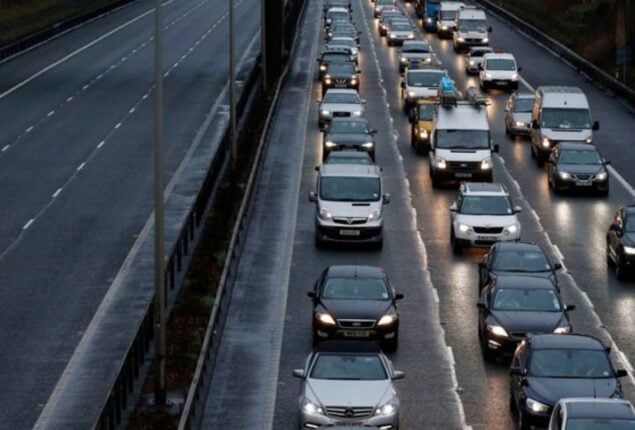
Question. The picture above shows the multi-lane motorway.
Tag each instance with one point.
(76, 171)
(439, 348)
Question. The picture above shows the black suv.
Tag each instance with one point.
(349, 134)
(549, 367)
(333, 55)
(620, 241)
(340, 75)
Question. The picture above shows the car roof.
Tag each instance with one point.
(347, 346)
(576, 146)
(341, 91)
(350, 157)
(583, 407)
(517, 246)
(502, 55)
(481, 49)
(483, 189)
(523, 282)
(565, 341)
(355, 271)
(350, 170)
(337, 9)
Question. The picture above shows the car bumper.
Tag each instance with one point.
(536, 419)
(385, 422)
(520, 129)
(571, 184)
(348, 85)
(484, 240)
(502, 347)
(452, 175)
(500, 83)
(343, 147)
(376, 334)
(348, 234)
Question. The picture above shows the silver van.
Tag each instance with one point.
(559, 114)
(349, 204)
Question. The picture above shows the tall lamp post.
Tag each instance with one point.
(232, 88)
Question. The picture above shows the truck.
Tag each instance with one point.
(428, 10)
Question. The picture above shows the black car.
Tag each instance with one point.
(348, 134)
(355, 302)
(333, 55)
(620, 241)
(577, 166)
(549, 367)
(516, 258)
(512, 306)
(343, 30)
(340, 75)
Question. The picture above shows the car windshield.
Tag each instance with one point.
(472, 25)
(348, 127)
(345, 98)
(462, 139)
(521, 261)
(486, 205)
(516, 299)
(570, 363)
(629, 224)
(580, 157)
(338, 14)
(565, 118)
(353, 367)
(350, 188)
(523, 105)
(426, 79)
(416, 47)
(600, 424)
(425, 111)
(447, 15)
(356, 289)
(341, 69)
(384, 2)
(400, 26)
(500, 64)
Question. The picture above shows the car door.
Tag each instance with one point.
(519, 361)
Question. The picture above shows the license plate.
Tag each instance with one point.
(583, 183)
(349, 232)
(500, 82)
(489, 238)
(356, 333)
(463, 175)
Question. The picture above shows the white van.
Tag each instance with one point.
(460, 141)
(559, 114)
(446, 18)
(471, 28)
(349, 204)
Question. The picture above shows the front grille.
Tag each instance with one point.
(341, 81)
(338, 114)
(356, 323)
(519, 334)
(463, 166)
(349, 221)
(349, 412)
(472, 40)
(582, 177)
(488, 230)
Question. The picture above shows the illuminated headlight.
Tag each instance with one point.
(589, 140)
(488, 76)
(486, 40)
(353, 81)
(630, 250)
(514, 76)
(471, 62)
(545, 143)
(326, 215)
(563, 330)
(368, 145)
(536, 406)
(387, 319)
(497, 330)
(564, 175)
(326, 318)
(326, 112)
(441, 164)
(403, 59)
(411, 36)
(383, 26)
(423, 134)
(387, 409)
(464, 228)
(330, 144)
(602, 176)
(460, 39)
(444, 27)
(512, 229)
(411, 93)
(374, 215)
(311, 408)
(520, 124)
(322, 67)
(327, 80)
(392, 36)
(486, 164)
(429, 20)
(357, 113)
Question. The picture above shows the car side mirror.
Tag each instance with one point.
(312, 197)
(569, 307)
(517, 209)
(398, 374)
(620, 373)
(519, 69)
(398, 296)
(596, 126)
(481, 305)
(372, 131)
(534, 124)
(616, 228)
(453, 207)
(311, 294)
(606, 162)
(298, 373)
(557, 266)
(516, 371)
(482, 265)
(496, 148)
(386, 198)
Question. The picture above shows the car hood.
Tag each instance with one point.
(502, 74)
(545, 275)
(628, 239)
(564, 134)
(425, 124)
(341, 75)
(472, 34)
(465, 155)
(341, 107)
(400, 32)
(349, 393)
(487, 220)
(416, 55)
(528, 322)
(348, 138)
(589, 169)
(350, 210)
(522, 116)
(553, 389)
(357, 309)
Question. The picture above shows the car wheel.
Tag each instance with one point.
(609, 260)
(533, 152)
(316, 339)
(319, 243)
(412, 137)
(378, 245)
(456, 246)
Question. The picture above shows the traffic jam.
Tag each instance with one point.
(558, 378)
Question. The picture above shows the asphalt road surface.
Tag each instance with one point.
(76, 170)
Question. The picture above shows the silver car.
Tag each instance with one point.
(474, 58)
(348, 382)
(339, 102)
(518, 114)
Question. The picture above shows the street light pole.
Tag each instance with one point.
(232, 87)
(159, 279)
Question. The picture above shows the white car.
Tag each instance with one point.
(474, 58)
(414, 51)
(399, 32)
(339, 103)
(499, 70)
(481, 215)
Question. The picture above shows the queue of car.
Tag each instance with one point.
(347, 379)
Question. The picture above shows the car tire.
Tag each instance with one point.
(377, 246)
(316, 339)
(609, 260)
(521, 422)
(456, 246)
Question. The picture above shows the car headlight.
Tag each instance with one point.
(326, 318)
(444, 27)
(322, 67)
(353, 81)
(460, 39)
(441, 163)
(357, 113)
(330, 144)
(387, 319)
(536, 406)
(411, 94)
(368, 145)
(392, 36)
(602, 176)
(486, 164)
(589, 140)
(564, 175)
(511, 229)
(464, 228)
(514, 76)
(563, 330)
(471, 63)
(326, 215)
(326, 112)
(327, 80)
(311, 408)
(387, 409)
(423, 134)
(630, 250)
(403, 60)
(485, 40)
(411, 36)
(497, 330)
(545, 142)
(488, 76)
(520, 124)
(429, 20)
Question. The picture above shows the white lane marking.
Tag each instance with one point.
(101, 144)
(85, 87)
(558, 252)
(132, 109)
(50, 113)
(435, 296)
(588, 301)
(28, 224)
(621, 180)
(118, 125)
(57, 193)
(81, 166)
(451, 357)
(70, 99)
(30, 129)
(6, 147)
